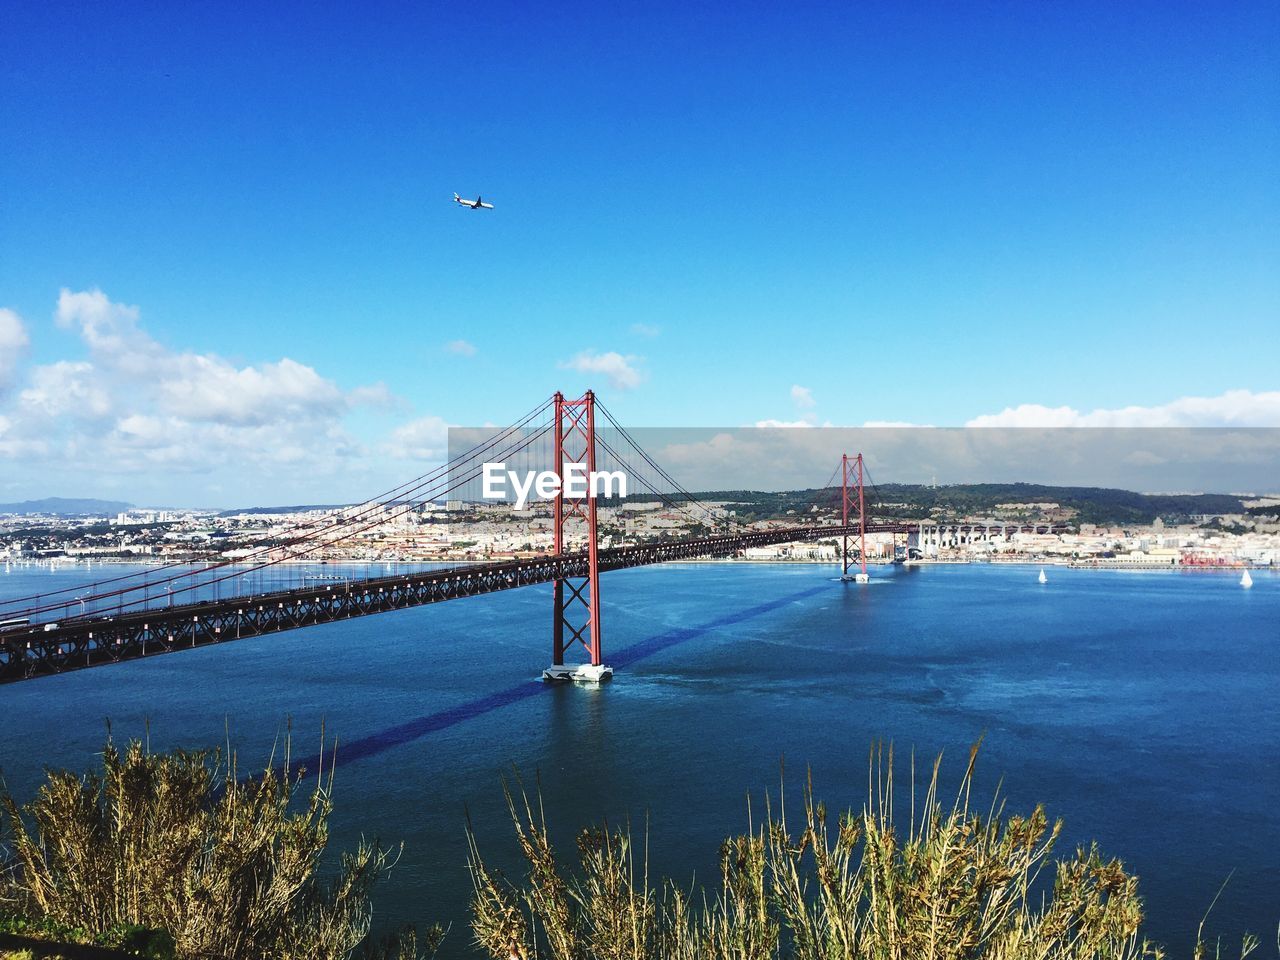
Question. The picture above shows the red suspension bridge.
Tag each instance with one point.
(176, 607)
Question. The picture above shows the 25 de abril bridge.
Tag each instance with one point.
(179, 606)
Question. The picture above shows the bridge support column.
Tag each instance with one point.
(851, 468)
(576, 599)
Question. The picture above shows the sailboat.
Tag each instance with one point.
(1246, 580)
(1042, 578)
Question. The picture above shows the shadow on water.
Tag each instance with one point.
(416, 729)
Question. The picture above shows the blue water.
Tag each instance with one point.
(1143, 708)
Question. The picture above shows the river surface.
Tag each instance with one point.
(1141, 707)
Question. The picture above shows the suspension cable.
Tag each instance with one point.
(413, 489)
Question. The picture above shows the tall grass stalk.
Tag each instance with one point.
(955, 883)
(230, 867)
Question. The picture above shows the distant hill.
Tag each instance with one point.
(306, 507)
(1091, 504)
(68, 507)
(1099, 505)
(296, 508)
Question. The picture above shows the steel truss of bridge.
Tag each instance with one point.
(94, 641)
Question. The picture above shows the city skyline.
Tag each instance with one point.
(1028, 217)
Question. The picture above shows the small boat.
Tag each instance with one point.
(1042, 578)
(1246, 580)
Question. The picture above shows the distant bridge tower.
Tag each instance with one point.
(576, 614)
(851, 481)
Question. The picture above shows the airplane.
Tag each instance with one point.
(476, 204)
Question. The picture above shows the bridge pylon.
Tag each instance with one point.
(851, 493)
(576, 599)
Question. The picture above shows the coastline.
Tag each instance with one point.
(69, 562)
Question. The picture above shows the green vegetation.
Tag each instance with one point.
(56, 536)
(951, 883)
(172, 857)
(1097, 505)
(52, 938)
(1217, 525)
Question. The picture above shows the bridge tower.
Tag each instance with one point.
(851, 481)
(576, 598)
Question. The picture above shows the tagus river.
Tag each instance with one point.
(1143, 708)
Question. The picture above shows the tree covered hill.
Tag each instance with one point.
(1098, 505)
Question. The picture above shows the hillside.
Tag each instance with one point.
(1098, 505)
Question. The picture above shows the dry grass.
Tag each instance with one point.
(174, 856)
(956, 884)
(177, 842)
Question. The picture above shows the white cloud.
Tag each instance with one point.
(785, 424)
(645, 330)
(188, 386)
(1235, 408)
(374, 395)
(13, 344)
(802, 397)
(66, 387)
(208, 388)
(270, 429)
(621, 371)
(461, 348)
(110, 330)
(426, 438)
(12, 445)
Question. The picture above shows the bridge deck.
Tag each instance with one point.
(98, 640)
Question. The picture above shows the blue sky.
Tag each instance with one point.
(921, 213)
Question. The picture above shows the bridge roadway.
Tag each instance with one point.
(81, 642)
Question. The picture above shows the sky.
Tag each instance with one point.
(231, 271)
(1161, 460)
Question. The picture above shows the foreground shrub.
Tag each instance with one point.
(953, 884)
(175, 843)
